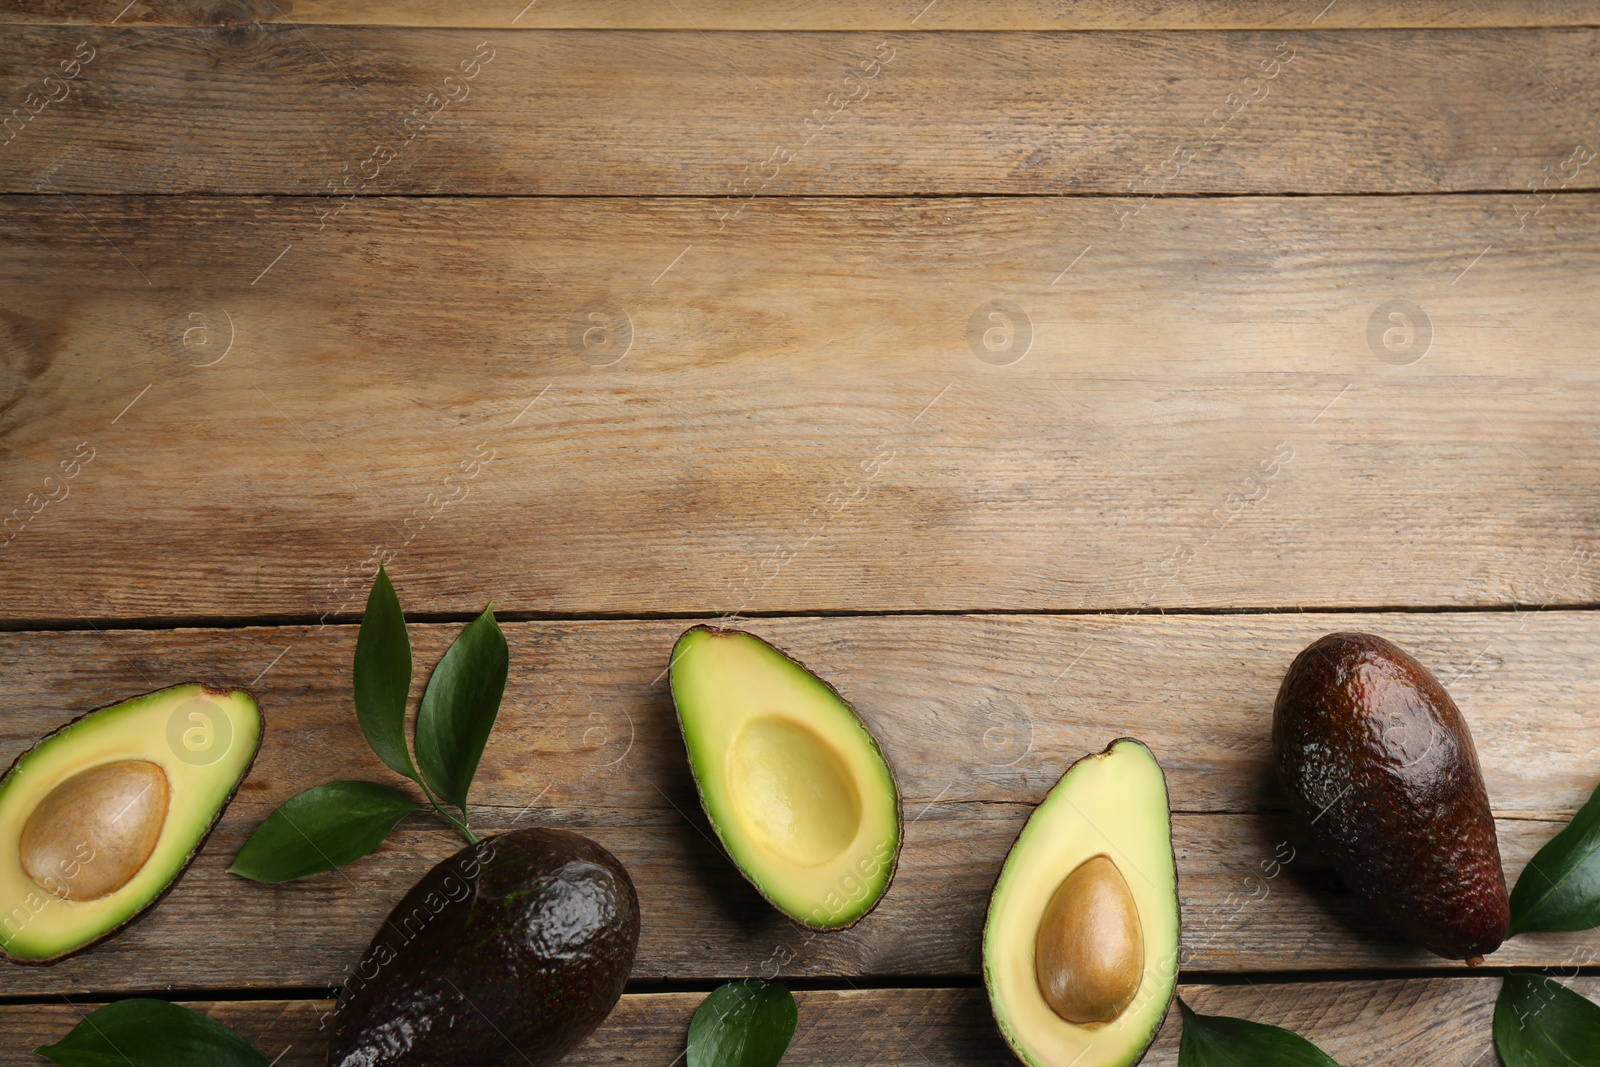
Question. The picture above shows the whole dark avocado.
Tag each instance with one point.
(509, 952)
(1377, 760)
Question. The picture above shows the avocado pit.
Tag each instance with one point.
(1089, 951)
(95, 831)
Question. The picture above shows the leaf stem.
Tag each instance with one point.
(461, 824)
(466, 831)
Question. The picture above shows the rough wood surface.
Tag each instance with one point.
(546, 317)
(1359, 1024)
(702, 921)
(968, 710)
(286, 109)
(820, 14)
(983, 710)
(798, 418)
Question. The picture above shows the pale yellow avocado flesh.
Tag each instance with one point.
(789, 776)
(1113, 803)
(202, 739)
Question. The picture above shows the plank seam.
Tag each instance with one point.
(1087, 194)
(838, 984)
(239, 622)
(899, 28)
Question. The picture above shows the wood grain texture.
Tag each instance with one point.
(284, 109)
(1359, 1024)
(801, 420)
(968, 714)
(548, 318)
(819, 14)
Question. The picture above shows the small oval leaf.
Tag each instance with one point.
(325, 827)
(459, 708)
(151, 1033)
(743, 1024)
(1560, 887)
(382, 676)
(1221, 1041)
(1541, 1023)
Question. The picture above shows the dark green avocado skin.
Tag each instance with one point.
(510, 952)
(1377, 761)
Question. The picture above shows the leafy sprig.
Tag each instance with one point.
(336, 823)
(1539, 1022)
(743, 1024)
(1560, 887)
(151, 1033)
(1221, 1041)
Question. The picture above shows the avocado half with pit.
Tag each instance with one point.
(1080, 950)
(794, 784)
(101, 816)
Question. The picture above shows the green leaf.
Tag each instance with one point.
(743, 1024)
(459, 707)
(1542, 1023)
(383, 676)
(1220, 1041)
(325, 827)
(1560, 887)
(151, 1033)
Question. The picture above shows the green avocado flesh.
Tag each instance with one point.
(1093, 874)
(792, 781)
(98, 818)
(509, 952)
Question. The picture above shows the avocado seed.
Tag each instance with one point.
(1089, 952)
(92, 833)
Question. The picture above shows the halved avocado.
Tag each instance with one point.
(101, 816)
(794, 784)
(1080, 950)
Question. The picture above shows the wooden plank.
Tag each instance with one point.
(1437, 1020)
(701, 921)
(820, 14)
(581, 112)
(968, 713)
(799, 420)
(972, 710)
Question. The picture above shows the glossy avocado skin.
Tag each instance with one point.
(1378, 762)
(512, 951)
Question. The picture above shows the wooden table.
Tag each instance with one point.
(1041, 373)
